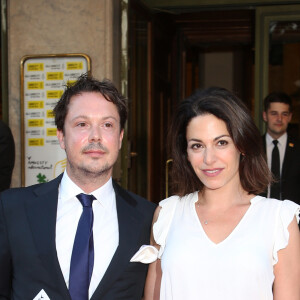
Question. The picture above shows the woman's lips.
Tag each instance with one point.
(212, 172)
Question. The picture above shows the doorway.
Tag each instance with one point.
(171, 55)
(151, 39)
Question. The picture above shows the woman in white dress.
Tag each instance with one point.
(216, 239)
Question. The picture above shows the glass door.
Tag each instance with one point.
(277, 58)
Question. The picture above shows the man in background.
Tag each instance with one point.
(7, 156)
(282, 150)
(74, 237)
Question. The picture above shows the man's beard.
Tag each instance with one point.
(103, 171)
(86, 171)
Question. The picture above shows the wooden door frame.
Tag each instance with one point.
(127, 152)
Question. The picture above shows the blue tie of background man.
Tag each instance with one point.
(82, 260)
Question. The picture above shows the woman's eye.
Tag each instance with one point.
(196, 146)
(222, 143)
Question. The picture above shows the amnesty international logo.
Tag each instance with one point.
(59, 167)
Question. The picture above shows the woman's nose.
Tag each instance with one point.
(209, 155)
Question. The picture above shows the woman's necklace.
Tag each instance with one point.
(198, 205)
(205, 222)
(220, 214)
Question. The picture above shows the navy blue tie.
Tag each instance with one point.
(82, 259)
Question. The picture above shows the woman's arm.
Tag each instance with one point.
(287, 270)
(152, 287)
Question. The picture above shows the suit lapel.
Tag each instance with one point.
(41, 212)
(264, 142)
(265, 193)
(129, 220)
(288, 157)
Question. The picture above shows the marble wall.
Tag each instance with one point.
(56, 27)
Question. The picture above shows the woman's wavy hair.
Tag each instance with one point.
(253, 169)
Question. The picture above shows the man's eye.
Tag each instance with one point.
(81, 124)
(108, 125)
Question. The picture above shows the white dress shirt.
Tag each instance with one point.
(105, 228)
(281, 147)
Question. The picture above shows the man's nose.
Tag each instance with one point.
(95, 134)
(279, 117)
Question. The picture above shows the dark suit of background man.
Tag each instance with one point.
(277, 115)
(38, 224)
(7, 156)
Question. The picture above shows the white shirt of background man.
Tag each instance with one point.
(281, 147)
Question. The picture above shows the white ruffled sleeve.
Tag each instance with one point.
(147, 253)
(163, 223)
(287, 211)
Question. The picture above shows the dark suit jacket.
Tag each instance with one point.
(290, 175)
(7, 156)
(28, 258)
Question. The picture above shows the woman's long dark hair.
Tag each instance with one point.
(253, 169)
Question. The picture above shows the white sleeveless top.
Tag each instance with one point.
(238, 268)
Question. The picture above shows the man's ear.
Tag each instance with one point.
(264, 116)
(61, 139)
(121, 138)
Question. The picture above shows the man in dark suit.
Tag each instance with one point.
(283, 151)
(73, 237)
(7, 156)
